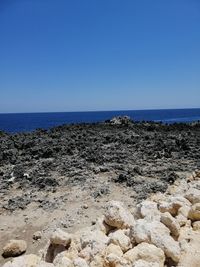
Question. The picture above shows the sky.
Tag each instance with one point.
(75, 55)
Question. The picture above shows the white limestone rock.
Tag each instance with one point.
(121, 239)
(62, 261)
(194, 213)
(171, 223)
(25, 261)
(196, 226)
(114, 249)
(193, 195)
(190, 256)
(79, 262)
(46, 264)
(173, 204)
(157, 233)
(148, 208)
(142, 263)
(117, 216)
(91, 238)
(103, 226)
(146, 252)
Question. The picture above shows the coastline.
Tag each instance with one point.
(50, 177)
(27, 122)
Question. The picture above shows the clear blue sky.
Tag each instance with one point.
(72, 55)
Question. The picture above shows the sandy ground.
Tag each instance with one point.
(78, 209)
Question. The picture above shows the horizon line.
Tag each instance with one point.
(85, 111)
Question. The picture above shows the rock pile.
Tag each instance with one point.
(163, 231)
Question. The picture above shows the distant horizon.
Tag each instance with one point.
(113, 110)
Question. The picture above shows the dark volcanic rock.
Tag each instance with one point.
(144, 156)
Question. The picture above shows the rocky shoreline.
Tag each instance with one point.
(144, 156)
(64, 176)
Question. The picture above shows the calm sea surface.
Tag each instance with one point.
(25, 122)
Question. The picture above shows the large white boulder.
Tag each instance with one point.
(157, 233)
(146, 252)
(193, 195)
(117, 216)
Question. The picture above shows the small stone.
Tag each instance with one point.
(59, 237)
(14, 248)
(196, 226)
(37, 235)
(85, 206)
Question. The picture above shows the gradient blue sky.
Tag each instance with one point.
(72, 55)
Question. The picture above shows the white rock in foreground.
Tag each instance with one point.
(23, 261)
(194, 213)
(173, 204)
(79, 262)
(158, 234)
(117, 216)
(171, 223)
(119, 238)
(193, 195)
(142, 263)
(146, 252)
(148, 208)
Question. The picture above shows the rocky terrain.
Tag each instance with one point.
(163, 230)
(62, 177)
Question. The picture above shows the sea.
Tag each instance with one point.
(26, 122)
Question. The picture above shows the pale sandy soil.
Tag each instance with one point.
(76, 210)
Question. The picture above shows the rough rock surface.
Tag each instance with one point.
(146, 252)
(14, 248)
(145, 156)
(117, 216)
(67, 174)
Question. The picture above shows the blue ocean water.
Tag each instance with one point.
(25, 122)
